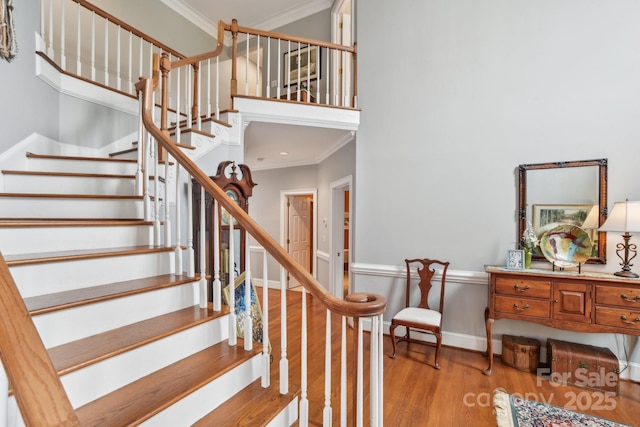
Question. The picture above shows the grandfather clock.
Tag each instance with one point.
(239, 190)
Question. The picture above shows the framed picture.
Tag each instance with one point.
(255, 311)
(546, 217)
(515, 259)
(301, 65)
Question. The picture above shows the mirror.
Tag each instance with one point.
(551, 193)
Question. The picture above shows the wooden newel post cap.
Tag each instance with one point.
(358, 297)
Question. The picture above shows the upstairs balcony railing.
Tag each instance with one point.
(85, 41)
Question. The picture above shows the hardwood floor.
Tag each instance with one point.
(416, 394)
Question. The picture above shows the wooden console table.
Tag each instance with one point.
(581, 302)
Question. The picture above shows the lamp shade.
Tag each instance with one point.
(591, 222)
(624, 217)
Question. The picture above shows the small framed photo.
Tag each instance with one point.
(515, 259)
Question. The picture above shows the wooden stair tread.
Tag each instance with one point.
(41, 304)
(97, 159)
(141, 399)
(84, 352)
(252, 406)
(127, 151)
(72, 196)
(29, 222)
(69, 174)
(24, 259)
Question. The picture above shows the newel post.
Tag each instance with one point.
(195, 106)
(165, 66)
(354, 102)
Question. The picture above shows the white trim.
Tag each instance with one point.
(453, 276)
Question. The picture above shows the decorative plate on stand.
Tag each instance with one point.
(566, 246)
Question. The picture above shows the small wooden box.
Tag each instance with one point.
(583, 365)
(520, 352)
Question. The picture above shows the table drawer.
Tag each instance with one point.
(618, 317)
(522, 306)
(618, 296)
(523, 287)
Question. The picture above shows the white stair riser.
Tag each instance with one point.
(47, 278)
(287, 416)
(101, 378)
(63, 326)
(202, 401)
(81, 166)
(32, 240)
(38, 207)
(55, 184)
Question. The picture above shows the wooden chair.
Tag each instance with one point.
(421, 317)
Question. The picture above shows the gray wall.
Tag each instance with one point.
(468, 91)
(27, 104)
(264, 205)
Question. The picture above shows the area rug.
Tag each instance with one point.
(514, 411)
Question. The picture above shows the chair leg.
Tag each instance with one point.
(438, 345)
(392, 330)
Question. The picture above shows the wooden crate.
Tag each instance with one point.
(583, 365)
(520, 352)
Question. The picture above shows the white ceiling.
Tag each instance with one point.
(264, 142)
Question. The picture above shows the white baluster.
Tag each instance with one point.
(118, 60)
(327, 97)
(246, 67)
(191, 263)
(218, 87)
(178, 105)
(248, 333)
(380, 321)
(359, 377)
(299, 76)
(179, 267)
(79, 37)
(130, 62)
(318, 51)
(139, 185)
(198, 98)
(106, 52)
(268, 85)
(42, 15)
(304, 402)
(284, 362)
(203, 245)
(141, 51)
(208, 92)
(266, 357)
(217, 284)
(167, 205)
(4, 397)
(233, 340)
(63, 59)
(258, 91)
(343, 373)
(93, 46)
(373, 374)
(279, 70)
(156, 194)
(327, 414)
(50, 51)
(288, 69)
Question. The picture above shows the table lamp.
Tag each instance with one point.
(624, 218)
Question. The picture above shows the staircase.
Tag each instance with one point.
(123, 329)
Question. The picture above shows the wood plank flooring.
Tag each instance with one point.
(416, 394)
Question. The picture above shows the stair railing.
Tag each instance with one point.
(357, 306)
(29, 371)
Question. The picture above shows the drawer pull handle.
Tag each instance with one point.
(521, 309)
(517, 288)
(627, 299)
(629, 322)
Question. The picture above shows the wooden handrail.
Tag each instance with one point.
(37, 388)
(367, 304)
(122, 24)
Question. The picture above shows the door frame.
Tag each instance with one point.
(336, 235)
(284, 194)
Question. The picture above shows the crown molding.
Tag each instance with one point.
(194, 16)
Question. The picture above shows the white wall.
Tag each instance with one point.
(455, 95)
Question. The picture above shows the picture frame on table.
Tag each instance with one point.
(515, 259)
(301, 65)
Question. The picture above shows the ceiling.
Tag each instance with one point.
(264, 142)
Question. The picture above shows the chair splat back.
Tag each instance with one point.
(426, 273)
